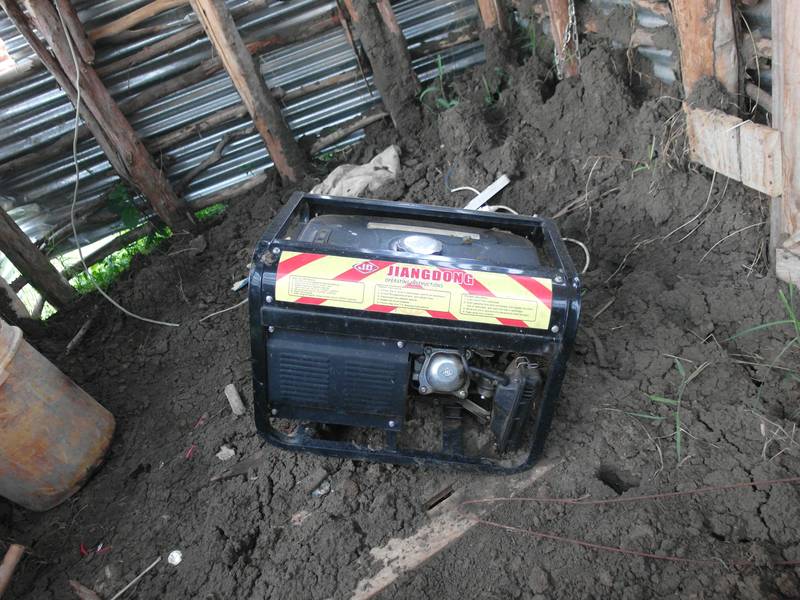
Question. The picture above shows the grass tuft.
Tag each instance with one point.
(788, 306)
(676, 402)
(442, 101)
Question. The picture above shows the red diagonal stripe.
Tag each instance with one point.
(536, 288)
(476, 287)
(512, 322)
(353, 274)
(381, 308)
(439, 314)
(309, 300)
(292, 264)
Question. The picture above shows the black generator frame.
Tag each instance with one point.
(268, 315)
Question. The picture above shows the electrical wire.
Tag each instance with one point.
(703, 562)
(465, 188)
(585, 251)
(224, 310)
(503, 207)
(77, 184)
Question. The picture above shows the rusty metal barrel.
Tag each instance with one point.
(53, 435)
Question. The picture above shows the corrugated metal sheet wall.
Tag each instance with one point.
(35, 112)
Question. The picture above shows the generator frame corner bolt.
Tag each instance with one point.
(409, 333)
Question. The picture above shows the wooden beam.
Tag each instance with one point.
(741, 150)
(380, 35)
(707, 38)
(496, 35)
(76, 31)
(12, 309)
(135, 17)
(492, 14)
(564, 33)
(289, 159)
(32, 263)
(113, 132)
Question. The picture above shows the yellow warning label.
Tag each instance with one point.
(328, 289)
(508, 308)
(410, 289)
(419, 298)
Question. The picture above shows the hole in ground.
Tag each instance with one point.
(619, 481)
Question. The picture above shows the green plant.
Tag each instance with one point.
(676, 402)
(109, 269)
(488, 93)
(649, 163)
(209, 212)
(120, 202)
(531, 45)
(792, 319)
(442, 100)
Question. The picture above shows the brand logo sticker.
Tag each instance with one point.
(366, 267)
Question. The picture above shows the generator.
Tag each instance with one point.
(410, 333)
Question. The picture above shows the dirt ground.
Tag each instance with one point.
(678, 266)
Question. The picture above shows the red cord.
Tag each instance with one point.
(628, 551)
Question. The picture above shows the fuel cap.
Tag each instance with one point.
(420, 244)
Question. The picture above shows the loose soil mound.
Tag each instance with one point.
(678, 267)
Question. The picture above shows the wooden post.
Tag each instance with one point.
(496, 36)
(785, 217)
(707, 38)
(493, 14)
(289, 159)
(12, 310)
(382, 39)
(109, 126)
(32, 263)
(564, 32)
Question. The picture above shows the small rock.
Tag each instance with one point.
(323, 489)
(175, 557)
(226, 452)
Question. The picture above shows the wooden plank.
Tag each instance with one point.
(707, 39)
(382, 39)
(567, 55)
(742, 150)
(761, 159)
(32, 263)
(786, 100)
(289, 159)
(448, 525)
(714, 140)
(113, 132)
(135, 17)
